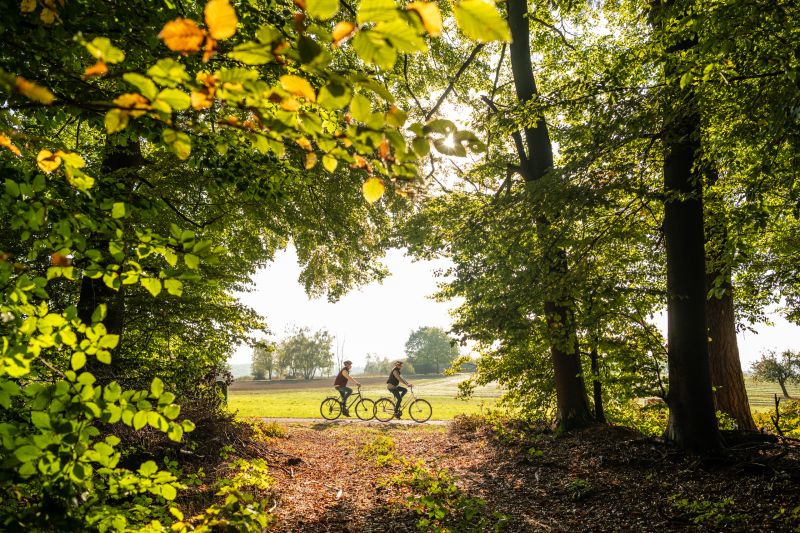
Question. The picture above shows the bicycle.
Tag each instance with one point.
(420, 410)
(331, 407)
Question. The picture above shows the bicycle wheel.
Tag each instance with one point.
(420, 410)
(384, 409)
(330, 408)
(365, 409)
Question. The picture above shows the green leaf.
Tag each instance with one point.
(156, 387)
(174, 286)
(175, 98)
(252, 53)
(140, 420)
(334, 96)
(153, 285)
(143, 83)
(118, 210)
(99, 313)
(168, 72)
(179, 141)
(40, 419)
(377, 11)
(102, 49)
(168, 492)
(172, 411)
(480, 21)
(329, 162)
(268, 34)
(187, 425)
(192, 261)
(401, 35)
(27, 453)
(12, 189)
(78, 360)
(148, 468)
(322, 9)
(421, 146)
(360, 108)
(374, 49)
(443, 126)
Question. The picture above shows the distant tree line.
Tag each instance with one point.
(302, 354)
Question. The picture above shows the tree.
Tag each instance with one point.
(783, 370)
(430, 350)
(263, 360)
(304, 353)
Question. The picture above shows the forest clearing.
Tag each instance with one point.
(602, 196)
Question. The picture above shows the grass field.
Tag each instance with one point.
(301, 399)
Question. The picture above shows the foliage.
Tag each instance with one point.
(430, 350)
(709, 512)
(781, 369)
(788, 419)
(381, 450)
(384, 365)
(303, 354)
(264, 360)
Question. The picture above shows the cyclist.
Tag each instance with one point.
(393, 384)
(340, 384)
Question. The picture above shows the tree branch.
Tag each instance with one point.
(453, 81)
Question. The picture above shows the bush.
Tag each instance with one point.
(789, 420)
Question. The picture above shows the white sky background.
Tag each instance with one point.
(378, 318)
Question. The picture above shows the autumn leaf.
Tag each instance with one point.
(311, 160)
(383, 150)
(182, 35)
(430, 15)
(209, 49)
(299, 87)
(35, 92)
(5, 142)
(58, 259)
(130, 102)
(373, 189)
(98, 69)
(304, 143)
(73, 160)
(48, 16)
(27, 6)
(290, 104)
(342, 31)
(220, 19)
(201, 100)
(48, 161)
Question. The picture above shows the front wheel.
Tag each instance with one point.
(331, 408)
(384, 409)
(420, 410)
(365, 409)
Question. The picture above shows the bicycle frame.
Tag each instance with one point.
(407, 399)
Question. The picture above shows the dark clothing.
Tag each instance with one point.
(341, 379)
(398, 392)
(345, 392)
(394, 378)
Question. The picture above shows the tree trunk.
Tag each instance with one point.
(599, 414)
(572, 404)
(783, 388)
(692, 419)
(95, 291)
(730, 394)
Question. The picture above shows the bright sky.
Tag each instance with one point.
(378, 318)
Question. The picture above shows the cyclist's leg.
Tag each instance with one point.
(399, 392)
(345, 392)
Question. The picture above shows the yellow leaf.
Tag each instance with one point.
(132, 101)
(48, 161)
(384, 149)
(210, 49)
(182, 35)
(5, 142)
(290, 104)
(373, 190)
(304, 143)
(220, 19)
(299, 87)
(35, 92)
(430, 15)
(27, 6)
(311, 160)
(73, 160)
(116, 120)
(342, 31)
(47, 15)
(98, 69)
(200, 100)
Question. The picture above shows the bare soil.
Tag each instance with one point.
(600, 479)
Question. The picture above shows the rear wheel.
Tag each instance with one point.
(365, 409)
(420, 410)
(331, 408)
(384, 409)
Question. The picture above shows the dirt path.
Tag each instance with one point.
(311, 421)
(603, 479)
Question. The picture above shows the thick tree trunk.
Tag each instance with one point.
(723, 355)
(730, 394)
(783, 388)
(692, 421)
(573, 406)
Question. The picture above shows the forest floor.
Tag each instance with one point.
(352, 478)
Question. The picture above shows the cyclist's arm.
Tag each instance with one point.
(346, 374)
